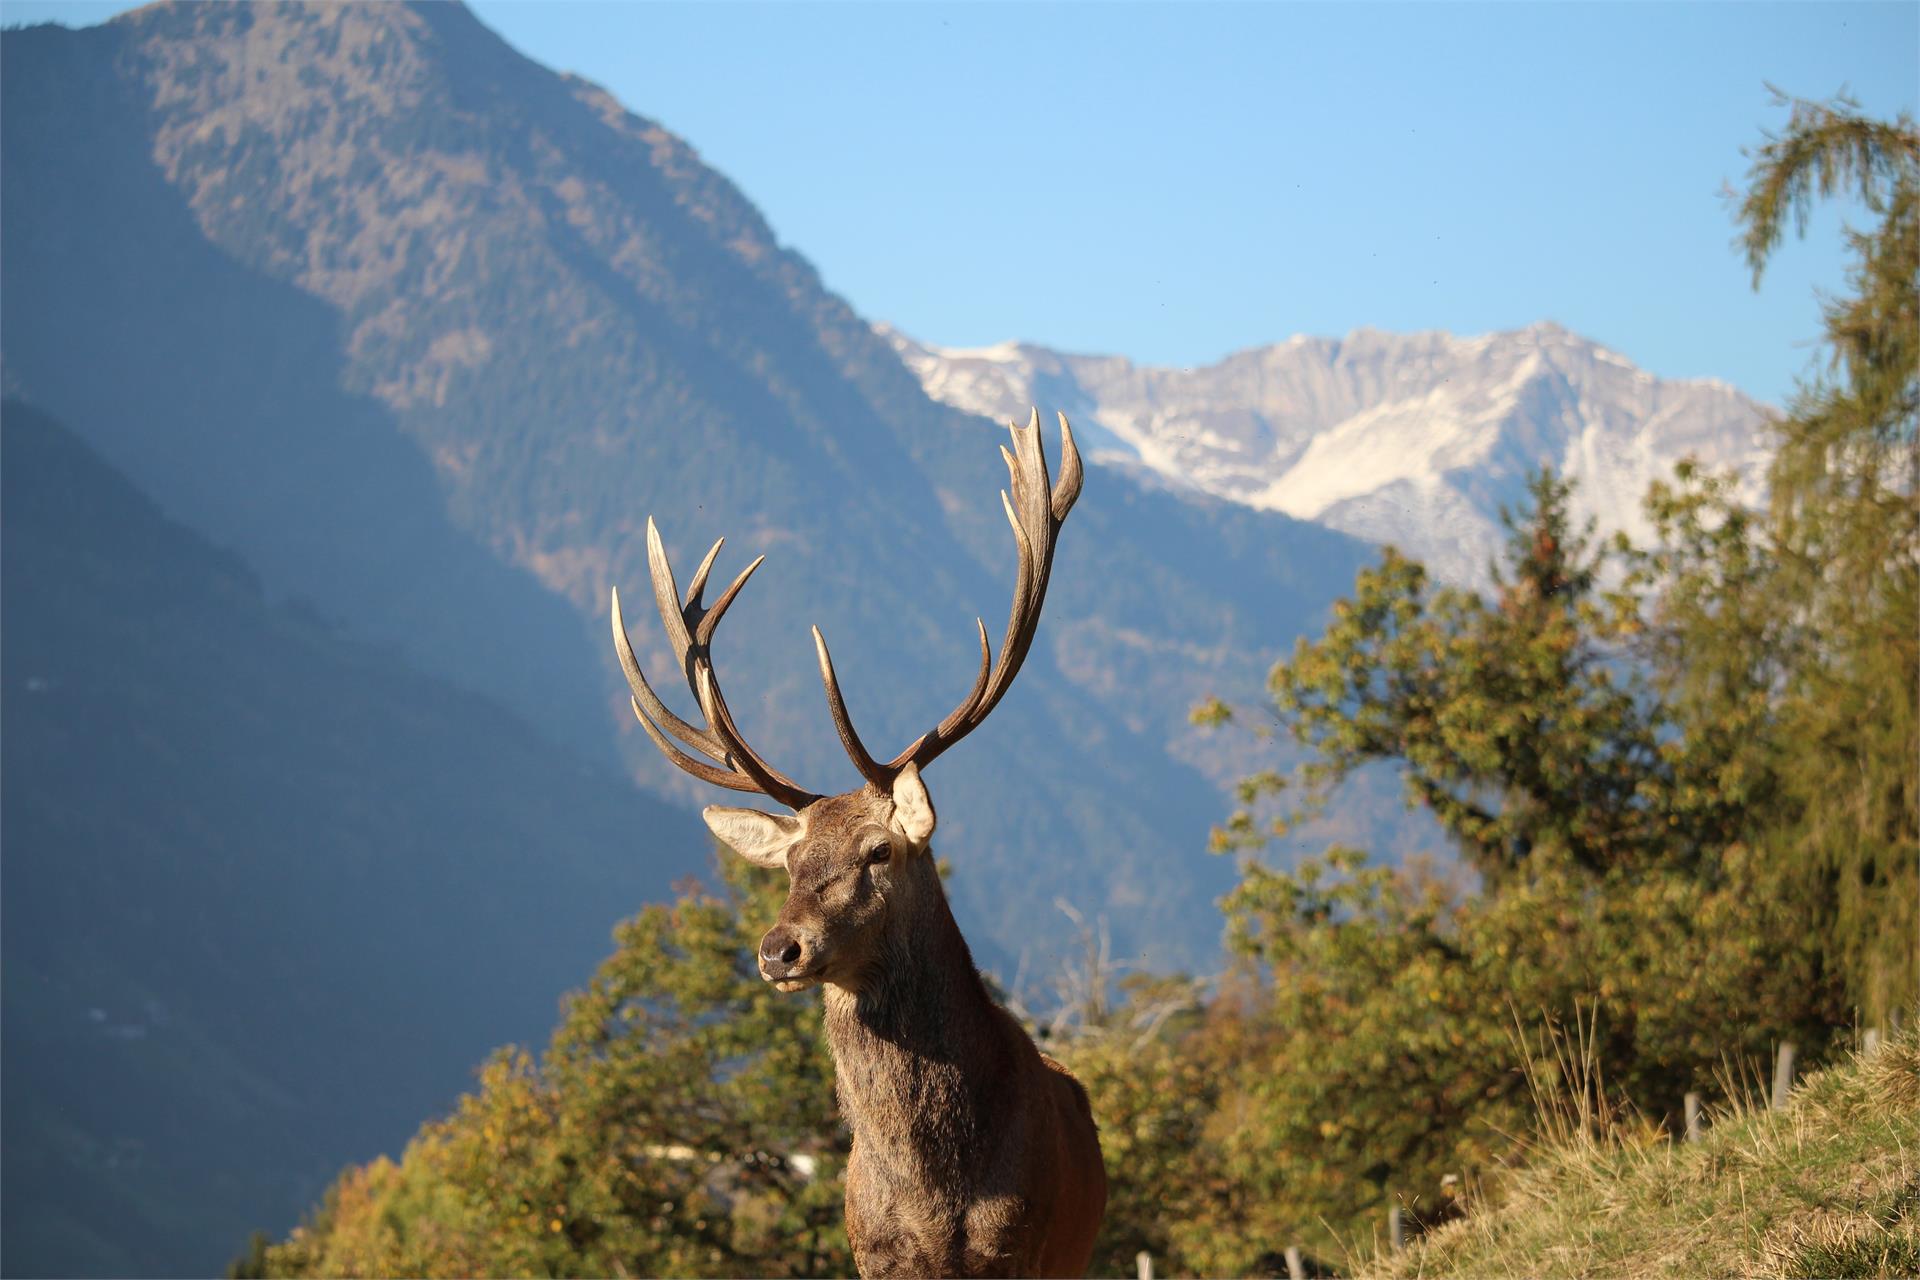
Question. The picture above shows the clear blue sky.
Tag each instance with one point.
(1176, 181)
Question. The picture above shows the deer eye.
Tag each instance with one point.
(879, 853)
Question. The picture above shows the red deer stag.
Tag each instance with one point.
(974, 1154)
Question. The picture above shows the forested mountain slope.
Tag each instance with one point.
(270, 894)
(424, 331)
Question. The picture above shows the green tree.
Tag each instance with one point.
(1512, 719)
(1615, 885)
(1844, 529)
(1788, 640)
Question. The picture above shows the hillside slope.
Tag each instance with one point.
(424, 332)
(269, 894)
(1828, 1187)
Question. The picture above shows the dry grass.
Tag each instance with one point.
(1828, 1187)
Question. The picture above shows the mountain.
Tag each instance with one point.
(423, 332)
(270, 894)
(1414, 439)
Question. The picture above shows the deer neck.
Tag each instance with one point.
(919, 1048)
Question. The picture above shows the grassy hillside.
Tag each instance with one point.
(1828, 1187)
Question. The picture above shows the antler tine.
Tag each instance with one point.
(699, 582)
(666, 596)
(764, 776)
(869, 768)
(690, 627)
(1066, 490)
(1023, 581)
(710, 618)
(1031, 513)
(973, 694)
(645, 697)
(698, 768)
(1035, 508)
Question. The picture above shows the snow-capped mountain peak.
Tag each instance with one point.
(1415, 439)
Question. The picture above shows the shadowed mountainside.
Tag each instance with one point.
(270, 894)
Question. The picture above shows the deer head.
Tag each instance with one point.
(854, 859)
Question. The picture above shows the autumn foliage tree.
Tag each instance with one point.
(681, 1122)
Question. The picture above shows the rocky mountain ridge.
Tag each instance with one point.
(1413, 439)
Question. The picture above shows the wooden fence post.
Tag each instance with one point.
(1693, 1117)
(1396, 1229)
(1870, 1041)
(1782, 1074)
(1143, 1261)
(1296, 1266)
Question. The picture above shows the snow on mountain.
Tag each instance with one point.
(1414, 439)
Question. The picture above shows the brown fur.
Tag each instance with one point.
(973, 1153)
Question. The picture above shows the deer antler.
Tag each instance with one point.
(1036, 511)
(690, 627)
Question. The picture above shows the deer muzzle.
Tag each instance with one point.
(785, 958)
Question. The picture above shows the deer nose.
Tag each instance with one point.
(780, 947)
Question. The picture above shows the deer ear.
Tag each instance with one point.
(761, 838)
(912, 806)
